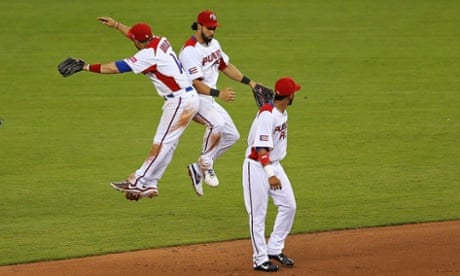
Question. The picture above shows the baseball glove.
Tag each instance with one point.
(262, 94)
(70, 66)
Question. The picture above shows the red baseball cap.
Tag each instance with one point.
(286, 86)
(207, 18)
(140, 32)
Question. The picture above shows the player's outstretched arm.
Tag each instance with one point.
(261, 93)
(112, 23)
(71, 65)
(233, 73)
(106, 68)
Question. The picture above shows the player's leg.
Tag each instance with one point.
(285, 201)
(176, 116)
(230, 134)
(209, 116)
(256, 192)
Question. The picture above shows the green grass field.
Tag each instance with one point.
(373, 135)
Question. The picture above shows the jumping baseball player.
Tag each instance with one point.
(203, 60)
(264, 177)
(157, 60)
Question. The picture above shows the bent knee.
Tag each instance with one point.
(234, 137)
(289, 207)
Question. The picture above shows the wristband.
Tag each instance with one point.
(264, 159)
(95, 68)
(269, 170)
(116, 25)
(245, 80)
(214, 92)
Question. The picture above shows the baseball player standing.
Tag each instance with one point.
(157, 60)
(264, 177)
(203, 58)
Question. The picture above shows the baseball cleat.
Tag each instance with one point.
(283, 259)
(197, 178)
(210, 178)
(133, 192)
(137, 196)
(267, 267)
(122, 186)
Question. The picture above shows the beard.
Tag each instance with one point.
(207, 39)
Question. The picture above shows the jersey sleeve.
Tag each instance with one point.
(191, 62)
(263, 132)
(122, 66)
(142, 60)
(224, 60)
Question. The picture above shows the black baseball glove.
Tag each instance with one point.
(70, 66)
(262, 94)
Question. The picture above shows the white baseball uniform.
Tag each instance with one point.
(160, 64)
(204, 61)
(268, 130)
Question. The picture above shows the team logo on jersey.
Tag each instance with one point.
(165, 45)
(263, 138)
(193, 70)
(133, 59)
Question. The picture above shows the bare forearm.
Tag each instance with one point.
(233, 73)
(123, 28)
(201, 87)
(106, 68)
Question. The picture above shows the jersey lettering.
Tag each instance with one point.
(281, 130)
(212, 58)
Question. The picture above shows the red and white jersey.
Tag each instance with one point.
(269, 130)
(159, 63)
(203, 61)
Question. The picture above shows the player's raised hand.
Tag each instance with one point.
(227, 94)
(108, 21)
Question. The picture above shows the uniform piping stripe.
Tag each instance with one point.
(250, 200)
(161, 143)
(211, 128)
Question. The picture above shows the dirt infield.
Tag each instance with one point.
(416, 249)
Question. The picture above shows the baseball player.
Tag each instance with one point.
(157, 60)
(203, 59)
(264, 177)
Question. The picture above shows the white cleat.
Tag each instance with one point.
(210, 178)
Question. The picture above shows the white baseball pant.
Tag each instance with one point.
(256, 191)
(221, 132)
(177, 114)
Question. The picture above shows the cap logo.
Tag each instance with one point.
(213, 17)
